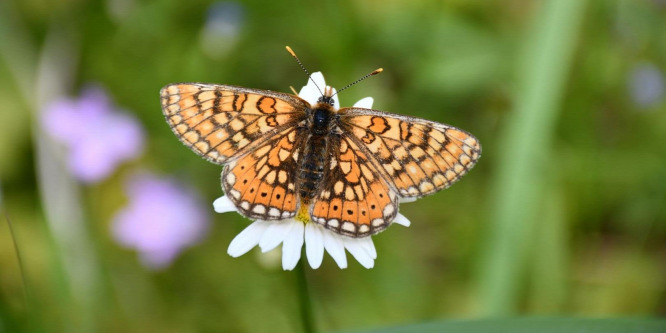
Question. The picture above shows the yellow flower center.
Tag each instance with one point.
(303, 214)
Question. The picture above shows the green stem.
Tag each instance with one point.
(304, 299)
(33, 323)
(519, 188)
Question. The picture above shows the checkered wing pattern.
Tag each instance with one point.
(353, 200)
(262, 184)
(222, 122)
(252, 131)
(415, 156)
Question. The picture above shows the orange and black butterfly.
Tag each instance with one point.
(345, 169)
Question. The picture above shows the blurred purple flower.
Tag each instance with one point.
(646, 85)
(98, 136)
(162, 219)
(223, 24)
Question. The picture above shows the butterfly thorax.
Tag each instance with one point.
(321, 118)
(314, 156)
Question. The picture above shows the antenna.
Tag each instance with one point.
(375, 72)
(303, 68)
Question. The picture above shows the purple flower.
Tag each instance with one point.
(162, 219)
(646, 85)
(222, 28)
(97, 135)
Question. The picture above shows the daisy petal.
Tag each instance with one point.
(310, 92)
(223, 205)
(402, 220)
(275, 234)
(334, 247)
(291, 248)
(365, 103)
(314, 244)
(368, 246)
(318, 78)
(406, 200)
(247, 239)
(356, 249)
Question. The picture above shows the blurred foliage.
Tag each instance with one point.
(596, 245)
(544, 325)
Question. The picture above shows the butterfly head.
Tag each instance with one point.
(327, 97)
(323, 112)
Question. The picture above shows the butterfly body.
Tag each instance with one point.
(345, 169)
(313, 162)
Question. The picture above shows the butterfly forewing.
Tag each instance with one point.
(221, 122)
(353, 199)
(416, 156)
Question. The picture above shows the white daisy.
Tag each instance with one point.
(292, 234)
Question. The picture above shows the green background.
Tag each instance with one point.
(564, 215)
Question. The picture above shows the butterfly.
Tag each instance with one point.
(344, 169)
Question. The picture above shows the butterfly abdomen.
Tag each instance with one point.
(312, 167)
(313, 162)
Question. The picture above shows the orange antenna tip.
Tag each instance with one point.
(303, 68)
(375, 72)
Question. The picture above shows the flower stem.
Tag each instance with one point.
(304, 299)
(24, 277)
(520, 190)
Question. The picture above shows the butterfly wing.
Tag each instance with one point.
(353, 200)
(222, 122)
(416, 156)
(262, 183)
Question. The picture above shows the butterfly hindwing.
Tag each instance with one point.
(222, 122)
(263, 183)
(353, 199)
(418, 157)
